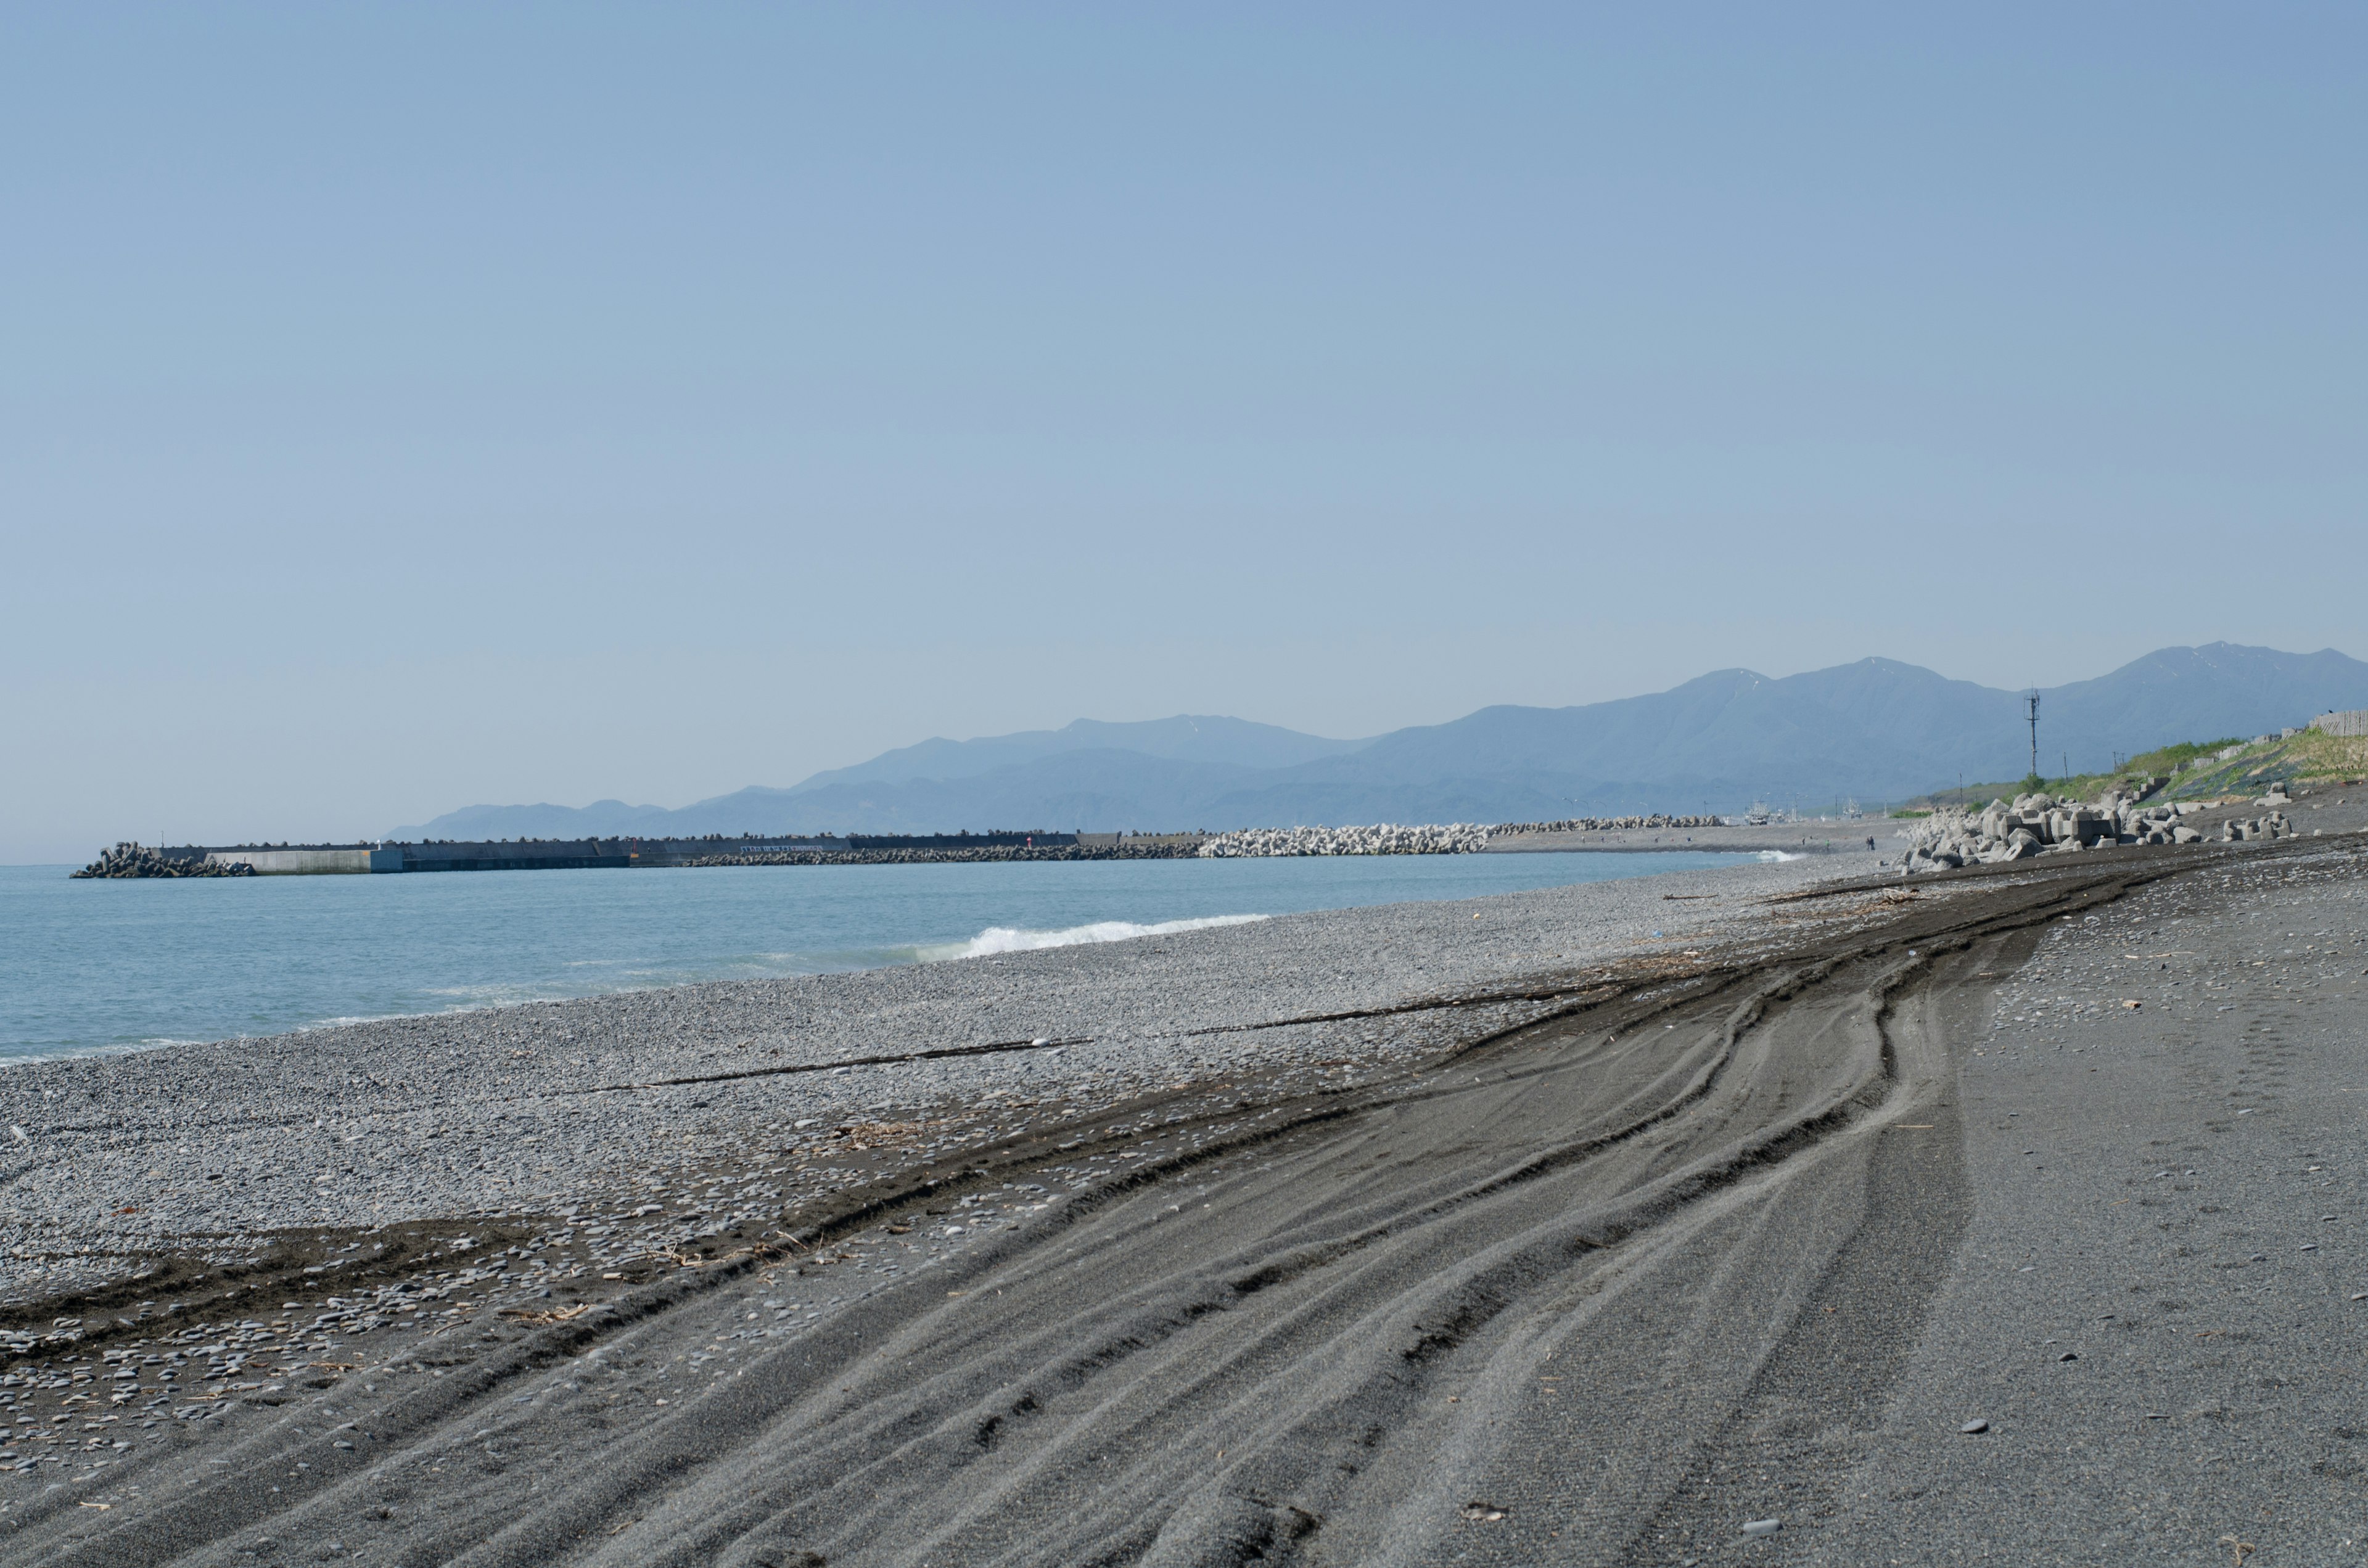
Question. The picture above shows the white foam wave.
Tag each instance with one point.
(36, 1056)
(1017, 939)
(1775, 856)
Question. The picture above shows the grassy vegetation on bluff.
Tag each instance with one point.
(2310, 756)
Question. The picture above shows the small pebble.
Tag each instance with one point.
(1976, 1425)
(1763, 1527)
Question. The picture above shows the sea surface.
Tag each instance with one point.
(101, 966)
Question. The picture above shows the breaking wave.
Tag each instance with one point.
(1775, 856)
(1016, 939)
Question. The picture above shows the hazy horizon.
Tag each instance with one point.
(760, 783)
(427, 817)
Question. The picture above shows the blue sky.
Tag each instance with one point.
(408, 406)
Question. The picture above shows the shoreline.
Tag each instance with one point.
(612, 935)
(664, 1253)
(376, 1105)
(130, 860)
(1527, 844)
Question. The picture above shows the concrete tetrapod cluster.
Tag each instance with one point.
(136, 860)
(2271, 825)
(1383, 838)
(1600, 824)
(2042, 824)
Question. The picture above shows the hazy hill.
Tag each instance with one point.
(1876, 730)
(2198, 694)
(1196, 738)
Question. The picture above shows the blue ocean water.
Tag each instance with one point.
(114, 965)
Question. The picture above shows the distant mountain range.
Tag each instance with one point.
(1874, 730)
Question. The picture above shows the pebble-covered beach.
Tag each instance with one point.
(221, 1224)
(592, 1117)
(646, 1273)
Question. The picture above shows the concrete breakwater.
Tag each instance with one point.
(851, 849)
(1382, 838)
(570, 854)
(128, 859)
(1604, 824)
(1396, 838)
(2042, 824)
(1165, 848)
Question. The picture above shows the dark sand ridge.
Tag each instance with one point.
(1691, 1252)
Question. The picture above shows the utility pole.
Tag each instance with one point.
(2031, 705)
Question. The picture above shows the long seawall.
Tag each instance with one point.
(587, 853)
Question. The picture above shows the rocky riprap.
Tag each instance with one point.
(1600, 824)
(2042, 824)
(1383, 838)
(137, 861)
(1394, 838)
(1124, 850)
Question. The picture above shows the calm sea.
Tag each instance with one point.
(118, 965)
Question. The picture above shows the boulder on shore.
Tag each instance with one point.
(2047, 824)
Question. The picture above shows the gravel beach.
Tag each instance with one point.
(1588, 1225)
(567, 1107)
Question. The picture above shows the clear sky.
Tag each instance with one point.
(404, 406)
